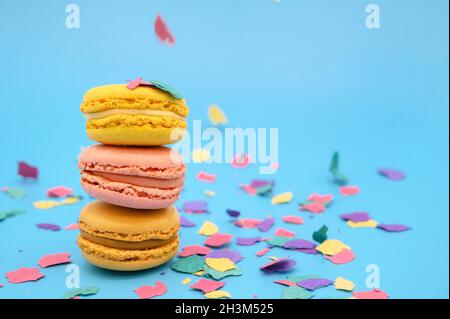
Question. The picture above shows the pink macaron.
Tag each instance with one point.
(135, 177)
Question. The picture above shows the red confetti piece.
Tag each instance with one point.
(349, 190)
(54, 259)
(371, 294)
(218, 240)
(162, 31)
(27, 171)
(146, 292)
(284, 233)
(207, 285)
(194, 250)
(23, 275)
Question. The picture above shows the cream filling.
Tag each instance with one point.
(102, 114)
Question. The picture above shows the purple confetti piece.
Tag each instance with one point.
(280, 265)
(257, 183)
(309, 251)
(393, 227)
(232, 255)
(392, 174)
(186, 222)
(266, 224)
(356, 217)
(299, 244)
(314, 283)
(47, 226)
(241, 241)
(233, 213)
(195, 207)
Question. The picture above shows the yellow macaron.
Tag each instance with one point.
(125, 239)
(144, 115)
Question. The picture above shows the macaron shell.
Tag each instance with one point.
(127, 260)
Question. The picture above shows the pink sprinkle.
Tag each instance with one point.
(263, 251)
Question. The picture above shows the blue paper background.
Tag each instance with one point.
(311, 69)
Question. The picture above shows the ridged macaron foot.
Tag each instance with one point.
(134, 177)
(143, 116)
(124, 239)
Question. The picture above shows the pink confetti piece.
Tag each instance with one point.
(266, 224)
(218, 240)
(247, 223)
(320, 199)
(349, 190)
(47, 226)
(263, 251)
(207, 285)
(194, 250)
(392, 174)
(249, 190)
(206, 177)
(162, 31)
(313, 208)
(27, 171)
(393, 227)
(1, 285)
(293, 219)
(59, 191)
(72, 227)
(241, 241)
(284, 233)
(240, 161)
(23, 275)
(137, 82)
(343, 257)
(285, 282)
(371, 294)
(279, 265)
(146, 292)
(54, 259)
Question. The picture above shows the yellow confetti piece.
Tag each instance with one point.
(282, 198)
(70, 200)
(208, 229)
(344, 284)
(200, 155)
(186, 281)
(45, 204)
(331, 247)
(367, 224)
(216, 294)
(216, 115)
(220, 264)
(273, 258)
(210, 193)
(199, 273)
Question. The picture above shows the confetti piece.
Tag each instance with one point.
(349, 190)
(59, 191)
(314, 283)
(210, 193)
(199, 273)
(320, 199)
(72, 227)
(189, 265)
(392, 174)
(278, 241)
(186, 222)
(47, 204)
(218, 240)
(162, 31)
(295, 292)
(54, 259)
(47, 226)
(207, 285)
(313, 208)
(240, 161)
(216, 115)
(241, 241)
(217, 294)
(146, 292)
(320, 235)
(23, 275)
(338, 177)
(393, 227)
(10, 213)
(233, 213)
(285, 282)
(284, 233)
(232, 255)
(280, 265)
(263, 251)
(27, 171)
(371, 294)
(200, 155)
(343, 257)
(266, 224)
(247, 223)
(218, 275)
(195, 207)
(343, 284)
(206, 177)
(186, 281)
(356, 217)
(367, 224)
(282, 198)
(331, 247)
(15, 192)
(87, 291)
(293, 219)
(194, 250)
(299, 244)
(208, 228)
(220, 264)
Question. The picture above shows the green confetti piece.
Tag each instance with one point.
(264, 190)
(11, 213)
(296, 278)
(189, 265)
(295, 292)
(81, 292)
(278, 241)
(167, 88)
(217, 275)
(15, 192)
(339, 178)
(320, 235)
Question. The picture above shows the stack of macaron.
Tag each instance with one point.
(133, 225)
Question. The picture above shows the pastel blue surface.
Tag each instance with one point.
(311, 69)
